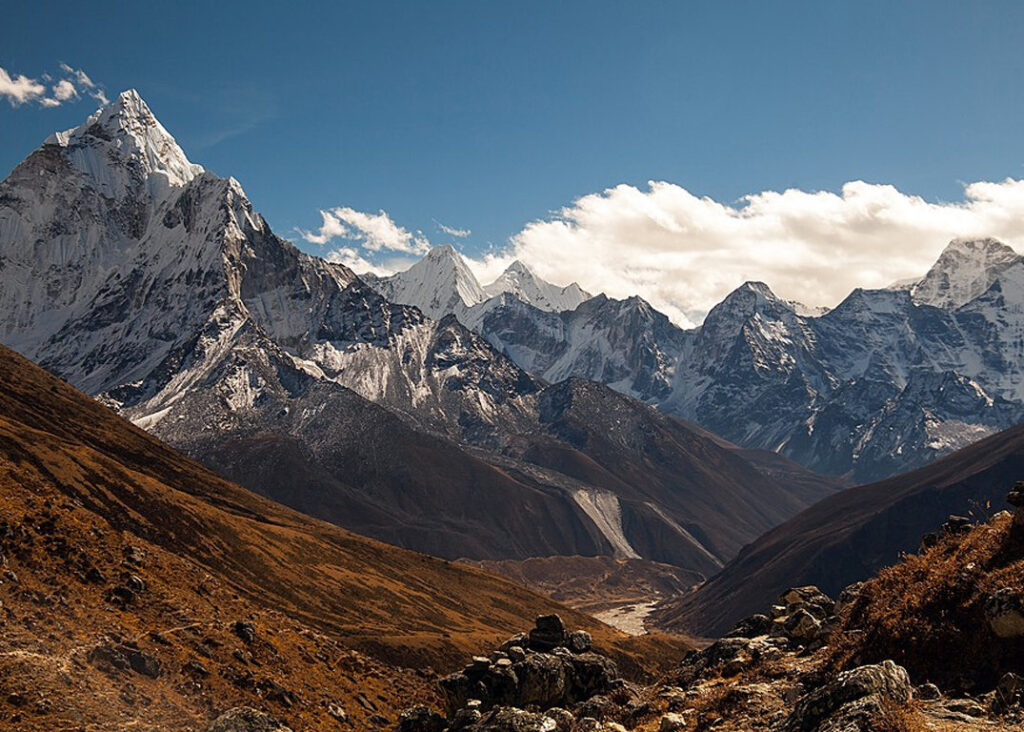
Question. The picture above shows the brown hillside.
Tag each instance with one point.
(109, 538)
(851, 535)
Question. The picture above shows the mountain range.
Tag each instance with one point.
(885, 382)
(154, 286)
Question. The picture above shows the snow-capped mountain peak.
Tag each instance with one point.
(964, 270)
(520, 280)
(443, 284)
(126, 136)
(439, 284)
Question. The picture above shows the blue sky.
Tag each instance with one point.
(486, 116)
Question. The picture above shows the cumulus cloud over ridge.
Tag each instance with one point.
(684, 253)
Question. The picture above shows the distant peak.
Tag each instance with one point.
(129, 132)
(130, 99)
(128, 114)
(443, 251)
(965, 269)
(758, 288)
(986, 244)
(518, 267)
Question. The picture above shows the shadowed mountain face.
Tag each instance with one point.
(155, 286)
(849, 536)
(108, 534)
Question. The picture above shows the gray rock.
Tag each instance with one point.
(142, 663)
(542, 681)
(927, 692)
(108, 658)
(847, 597)
(519, 640)
(509, 719)
(803, 627)
(1009, 692)
(672, 722)
(245, 631)
(579, 641)
(245, 719)
(1004, 611)
(956, 525)
(421, 719)
(751, 627)
(466, 718)
(848, 698)
(548, 633)
(808, 598)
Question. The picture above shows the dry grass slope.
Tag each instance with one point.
(90, 506)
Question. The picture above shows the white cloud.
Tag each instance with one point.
(352, 259)
(64, 90)
(80, 76)
(20, 89)
(452, 231)
(684, 254)
(376, 232)
(490, 266)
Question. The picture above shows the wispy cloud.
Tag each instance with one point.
(375, 232)
(20, 89)
(49, 91)
(452, 231)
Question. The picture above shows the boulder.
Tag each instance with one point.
(519, 640)
(751, 627)
(579, 641)
(421, 719)
(466, 718)
(808, 598)
(548, 633)
(245, 631)
(458, 689)
(956, 525)
(245, 719)
(847, 597)
(509, 719)
(726, 657)
(108, 658)
(1009, 693)
(1004, 611)
(142, 663)
(851, 696)
(803, 627)
(672, 723)
(543, 681)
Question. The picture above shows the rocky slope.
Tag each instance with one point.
(141, 590)
(932, 643)
(853, 534)
(153, 284)
(885, 382)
